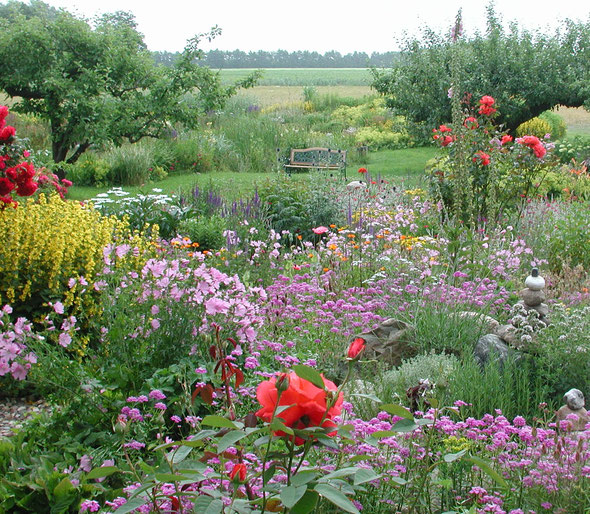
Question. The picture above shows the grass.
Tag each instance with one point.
(403, 166)
(303, 76)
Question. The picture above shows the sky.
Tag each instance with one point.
(318, 25)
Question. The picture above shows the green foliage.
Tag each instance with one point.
(568, 239)
(192, 152)
(90, 170)
(567, 182)
(107, 89)
(302, 206)
(576, 148)
(558, 127)
(534, 127)
(526, 73)
(206, 231)
(516, 389)
(133, 165)
(437, 368)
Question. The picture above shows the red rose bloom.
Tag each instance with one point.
(3, 112)
(239, 470)
(307, 403)
(506, 139)
(483, 157)
(447, 140)
(7, 132)
(27, 188)
(444, 128)
(356, 347)
(6, 186)
(471, 123)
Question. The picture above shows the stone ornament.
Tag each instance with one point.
(574, 410)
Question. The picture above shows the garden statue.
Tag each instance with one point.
(574, 407)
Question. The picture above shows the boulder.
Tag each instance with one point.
(491, 346)
(390, 342)
(531, 297)
(490, 323)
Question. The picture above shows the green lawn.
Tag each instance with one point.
(401, 165)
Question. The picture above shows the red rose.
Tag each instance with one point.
(307, 403)
(487, 100)
(447, 140)
(471, 123)
(506, 139)
(444, 128)
(356, 347)
(483, 157)
(66, 182)
(539, 150)
(3, 112)
(7, 132)
(6, 186)
(239, 470)
(27, 188)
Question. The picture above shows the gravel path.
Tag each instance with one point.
(15, 411)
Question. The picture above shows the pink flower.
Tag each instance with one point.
(65, 339)
(320, 230)
(216, 306)
(58, 307)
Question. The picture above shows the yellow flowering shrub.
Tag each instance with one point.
(51, 250)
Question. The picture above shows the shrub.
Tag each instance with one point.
(131, 165)
(535, 127)
(569, 241)
(207, 232)
(90, 170)
(191, 153)
(51, 251)
(576, 148)
(558, 127)
(434, 367)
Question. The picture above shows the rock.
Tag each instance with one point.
(507, 333)
(542, 309)
(531, 297)
(389, 342)
(355, 184)
(534, 281)
(490, 323)
(573, 411)
(491, 346)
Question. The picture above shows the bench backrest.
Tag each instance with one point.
(318, 156)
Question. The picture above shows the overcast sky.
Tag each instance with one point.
(320, 25)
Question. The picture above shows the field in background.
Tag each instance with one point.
(286, 95)
(303, 76)
(577, 120)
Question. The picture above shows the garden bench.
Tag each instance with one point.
(316, 158)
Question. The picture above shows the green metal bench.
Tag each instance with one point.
(316, 158)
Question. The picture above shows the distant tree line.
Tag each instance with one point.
(219, 59)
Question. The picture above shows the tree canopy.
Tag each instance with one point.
(98, 84)
(526, 73)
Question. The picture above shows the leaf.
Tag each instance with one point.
(380, 434)
(207, 505)
(64, 488)
(336, 497)
(424, 421)
(371, 397)
(304, 477)
(398, 480)
(452, 457)
(169, 477)
(310, 374)
(102, 472)
(404, 425)
(218, 421)
(269, 473)
(486, 468)
(290, 495)
(229, 439)
(181, 454)
(397, 410)
(365, 475)
(306, 504)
